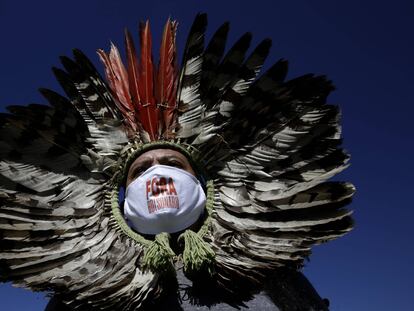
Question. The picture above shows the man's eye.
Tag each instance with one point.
(175, 164)
(138, 171)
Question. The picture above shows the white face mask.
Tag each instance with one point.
(164, 199)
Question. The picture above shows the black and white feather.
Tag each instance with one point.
(270, 146)
(55, 229)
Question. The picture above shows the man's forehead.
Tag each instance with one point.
(159, 154)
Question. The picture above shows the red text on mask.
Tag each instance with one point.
(160, 187)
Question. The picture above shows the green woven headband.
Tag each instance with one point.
(158, 255)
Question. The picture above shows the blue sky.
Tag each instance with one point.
(365, 47)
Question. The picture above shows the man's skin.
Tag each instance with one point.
(155, 157)
(160, 156)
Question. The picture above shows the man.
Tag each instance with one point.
(225, 173)
(283, 290)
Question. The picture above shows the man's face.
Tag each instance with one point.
(158, 156)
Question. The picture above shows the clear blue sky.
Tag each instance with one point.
(365, 47)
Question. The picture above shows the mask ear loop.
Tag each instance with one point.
(121, 197)
(203, 182)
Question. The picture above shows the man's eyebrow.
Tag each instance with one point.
(169, 157)
(141, 161)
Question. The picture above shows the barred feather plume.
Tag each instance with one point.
(269, 144)
(56, 230)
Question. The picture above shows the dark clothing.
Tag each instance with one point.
(285, 290)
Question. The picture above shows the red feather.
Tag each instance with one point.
(167, 77)
(140, 90)
(133, 70)
(148, 109)
(118, 82)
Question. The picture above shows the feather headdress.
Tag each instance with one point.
(268, 147)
